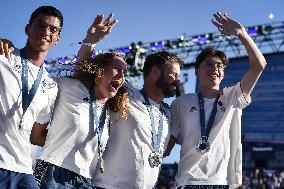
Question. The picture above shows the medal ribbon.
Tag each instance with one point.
(205, 130)
(27, 96)
(156, 136)
(94, 119)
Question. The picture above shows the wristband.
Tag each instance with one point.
(92, 45)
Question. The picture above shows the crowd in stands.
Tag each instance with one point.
(252, 179)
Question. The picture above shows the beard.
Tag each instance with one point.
(165, 87)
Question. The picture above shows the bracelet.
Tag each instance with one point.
(92, 45)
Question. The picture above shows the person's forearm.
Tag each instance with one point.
(84, 52)
(87, 48)
(256, 59)
(170, 146)
(39, 140)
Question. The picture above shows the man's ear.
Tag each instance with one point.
(156, 72)
(27, 28)
(196, 71)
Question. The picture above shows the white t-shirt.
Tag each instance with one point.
(222, 164)
(72, 142)
(15, 148)
(129, 146)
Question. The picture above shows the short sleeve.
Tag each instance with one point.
(45, 114)
(236, 97)
(175, 126)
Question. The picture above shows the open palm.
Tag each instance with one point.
(226, 25)
(100, 28)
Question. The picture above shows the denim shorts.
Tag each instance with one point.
(204, 187)
(14, 180)
(50, 176)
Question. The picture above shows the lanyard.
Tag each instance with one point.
(156, 136)
(27, 96)
(205, 130)
(99, 122)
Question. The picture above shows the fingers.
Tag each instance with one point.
(6, 50)
(227, 17)
(217, 18)
(217, 24)
(222, 19)
(1, 48)
(98, 20)
(111, 25)
(6, 47)
(108, 20)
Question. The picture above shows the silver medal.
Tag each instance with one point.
(203, 146)
(155, 159)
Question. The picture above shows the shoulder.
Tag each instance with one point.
(229, 91)
(48, 81)
(70, 86)
(186, 98)
(49, 85)
(134, 94)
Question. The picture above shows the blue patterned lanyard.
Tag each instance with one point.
(99, 122)
(205, 130)
(156, 137)
(27, 96)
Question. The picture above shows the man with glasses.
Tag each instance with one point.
(207, 124)
(27, 96)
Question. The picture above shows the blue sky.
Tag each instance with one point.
(146, 21)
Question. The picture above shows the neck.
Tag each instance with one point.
(100, 96)
(35, 57)
(153, 92)
(209, 92)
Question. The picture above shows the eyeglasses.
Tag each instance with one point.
(214, 65)
(42, 26)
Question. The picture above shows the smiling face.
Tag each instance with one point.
(211, 72)
(112, 79)
(43, 32)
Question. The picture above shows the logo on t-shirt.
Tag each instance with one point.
(193, 109)
(17, 68)
(86, 99)
(222, 108)
(43, 85)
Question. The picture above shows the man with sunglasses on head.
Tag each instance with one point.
(207, 124)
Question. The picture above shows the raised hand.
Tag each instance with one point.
(226, 25)
(100, 28)
(6, 47)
